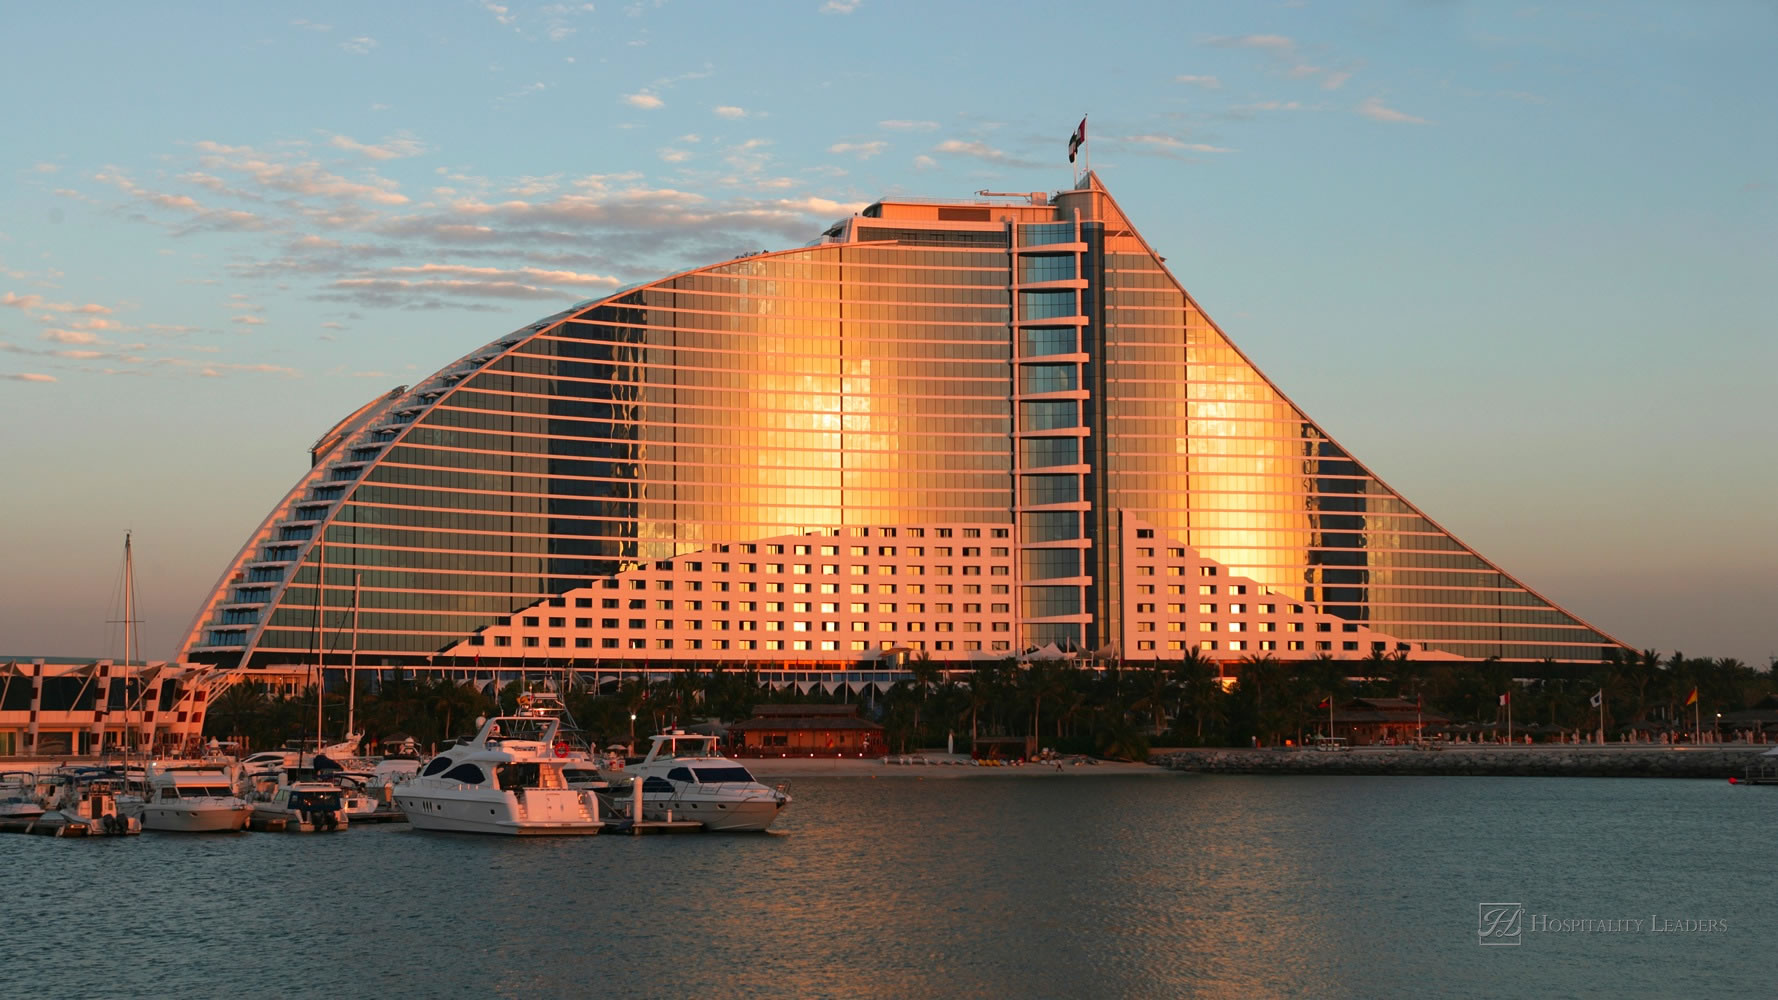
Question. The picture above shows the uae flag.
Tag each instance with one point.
(1692, 699)
(1077, 140)
(1326, 702)
(1506, 698)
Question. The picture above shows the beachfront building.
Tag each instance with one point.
(66, 708)
(953, 430)
(806, 731)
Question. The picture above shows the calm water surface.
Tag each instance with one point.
(1145, 886)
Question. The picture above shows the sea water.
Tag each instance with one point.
(996, 886)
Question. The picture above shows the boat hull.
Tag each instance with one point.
(296, 822)
(218, 820)
(452, 814)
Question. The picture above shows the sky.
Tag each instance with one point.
(1516, 258)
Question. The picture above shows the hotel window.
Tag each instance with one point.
(1145, 609)
(1295, 626)
(609, 602)
(609, 642)
(1206, 609)
(503, 640)
(1207, 644)
(1208, 589)
(1324, 646)
(1237, 609)
(557, 622)
(608, 623)
(663, 605)
(1268, 644)
(529, 622)
(583, 642)
(1206, 626)
(1268, 609)
(531, 640)
(583, 623)
(1237, 626)
(1145, 553)
(1145, 644)
(1295, 644)
(1238, 588)
(1238, 644)
(1349, 647)
(557, 641)
(1145, 626)
(1268, 626)
(663, 623)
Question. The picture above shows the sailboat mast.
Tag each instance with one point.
(129, 629)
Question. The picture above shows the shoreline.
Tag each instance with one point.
(938, 767)
(1717, 761)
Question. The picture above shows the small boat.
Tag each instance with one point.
(18, 796)
(506, 780)
(83, 802)
(684, 777)
(193, 800)
(297, 806)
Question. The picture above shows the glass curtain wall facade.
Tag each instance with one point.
(959, 430)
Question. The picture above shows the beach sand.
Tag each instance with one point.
(766, 768)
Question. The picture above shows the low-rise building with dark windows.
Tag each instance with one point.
(806, 731)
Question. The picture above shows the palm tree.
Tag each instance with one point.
(238, 710)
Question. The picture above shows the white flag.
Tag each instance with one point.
(1599, 698)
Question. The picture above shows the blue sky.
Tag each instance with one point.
(1516, 258)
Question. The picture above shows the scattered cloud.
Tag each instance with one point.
(359, 46)
(29, 377)
(393, 148)
(981, 151)
(1207, 82)
(839, 6)
(310, 25)
(37, 302)
(60, 336)
(924, 162)
(643, 100)
(1335, 80)
(862, 150)
(1169, 144)
(902, 125)
(500, 12)
(45, 168)
(671, 155)
(729, 111)
(1269, 43)
(1374, 109)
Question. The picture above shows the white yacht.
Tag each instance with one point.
(18, 796)
(686, 776)
(193, 800)
(507, 780)
(297, 806)
(84, 802)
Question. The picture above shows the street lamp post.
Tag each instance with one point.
(1718, 737)
(632, 732)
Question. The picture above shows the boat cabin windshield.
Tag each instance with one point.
(717, 775)
(686, 746)
(314, 800)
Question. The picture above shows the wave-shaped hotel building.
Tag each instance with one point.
(957, 429)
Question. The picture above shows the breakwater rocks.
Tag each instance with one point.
(1632, 761)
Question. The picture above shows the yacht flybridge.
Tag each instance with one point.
(685, 777)
(509, 780)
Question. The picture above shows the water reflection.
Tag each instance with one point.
(1160, 885)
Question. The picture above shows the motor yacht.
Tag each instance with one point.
(507, 780)
(18, 796)
(83, 802)
(686, 776)
(296, 805)
(192, 800)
